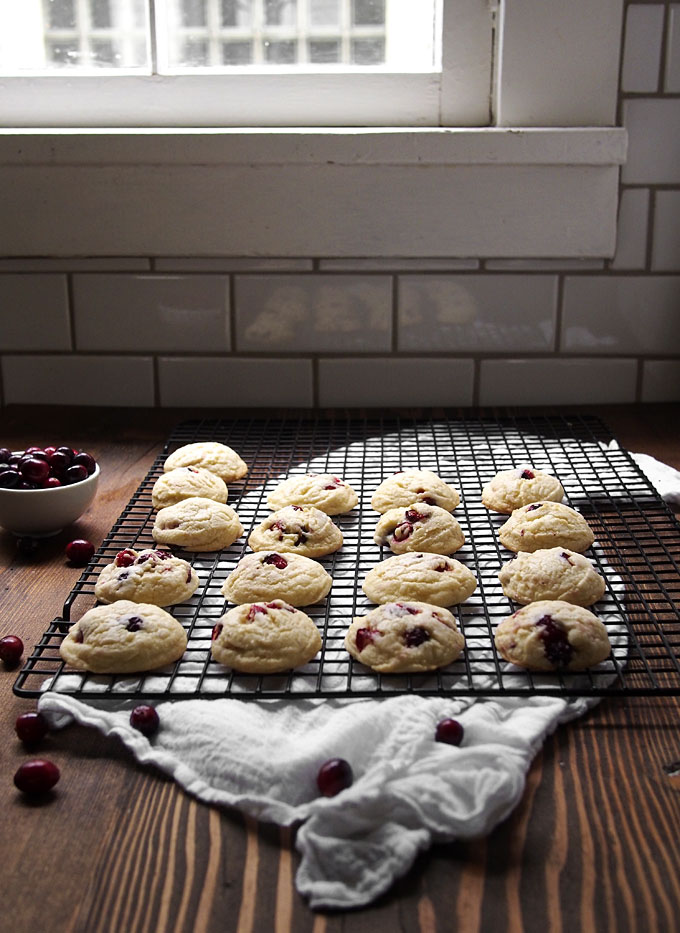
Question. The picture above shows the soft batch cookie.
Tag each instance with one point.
(210, 455)
(324, 491)
(551, 635)
(197, 524)
(123, 638)
(427, 578)
(551, 573)
(420, 527)
(263, 638)
(185, 483)
(268, 575)
(298, 529)
(403, 637)
(545, 525)
(512, 489)
(409, 486)
(148, 576)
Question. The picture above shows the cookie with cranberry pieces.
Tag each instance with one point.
(185, 483)
(405, 637)
(197, 524)
(123, 638)
(419, 527)
(210, 455)
(148, 576)
(268, 575)
(408, 486)
(428, 578)
(265, 638)
(551, 573)
(297, 529)
(552, 635)
(511, 489)
(324, 491)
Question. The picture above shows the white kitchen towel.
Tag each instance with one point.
(409, 791)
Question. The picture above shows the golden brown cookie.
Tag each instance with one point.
(545, 525)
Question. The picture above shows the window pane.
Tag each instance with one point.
(83, 35)
(60, 14)
(368, 12)
(193, 13)
(236, 13)
(280, 12)
(324, 12)
(237, 53)
(195, 52)
(368, 51)
(280, 53)
(324, 51)
(100, 12)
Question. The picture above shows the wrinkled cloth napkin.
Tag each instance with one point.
(408, 792)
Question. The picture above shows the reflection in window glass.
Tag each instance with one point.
(237, 53)
(281, 53)
(103, 53)
(324, 12)
(368, 12)
(324, 51)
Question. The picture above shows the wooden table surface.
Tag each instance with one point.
(593, 845)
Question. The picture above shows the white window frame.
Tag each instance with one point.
(542, 181)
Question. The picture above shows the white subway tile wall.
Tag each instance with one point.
(235, 382)
(388, 382)
(323, 330)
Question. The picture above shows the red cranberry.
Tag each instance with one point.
(216, 631)
(125, 558)
(527, 474)
(532, 508)
(411, 610)
(34, 470)
(334, 775)
(31, 727)
(415, 636)
(51, 482)
(567, 558)
(5, 454)
(59, 462)
(449, 731)
(276, 560)
(49, 450)
(80, 552)
(15, 460)
(86, 460)
(9, 479)
(134, 623)
(364, 636)
(145, 720)
(76, 473)
(403, 531)
(255, 609)
(556, 645)
(412, 516)
(67, 452)
(36, 777)
(11, 649)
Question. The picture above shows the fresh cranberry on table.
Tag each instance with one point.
(31, 727)
(80, 551)
(36, 777)
(145, 720)
(449, 731)
(11, 649)
(334, 775)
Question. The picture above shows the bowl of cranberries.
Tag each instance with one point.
(44, 489)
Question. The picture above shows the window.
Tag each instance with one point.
(245, 62)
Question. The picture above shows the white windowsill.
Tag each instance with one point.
(490, 192)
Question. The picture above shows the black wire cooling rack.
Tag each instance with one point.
(637, 550)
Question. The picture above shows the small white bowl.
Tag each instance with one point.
(39, 513)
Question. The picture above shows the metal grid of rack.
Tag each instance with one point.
(637, 550)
